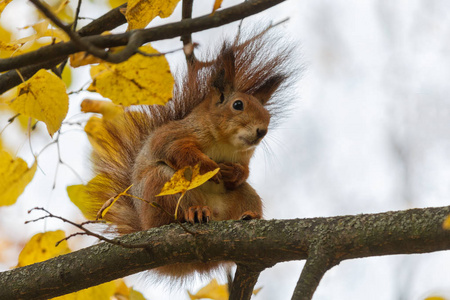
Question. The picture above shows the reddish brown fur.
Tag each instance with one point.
(202, 124)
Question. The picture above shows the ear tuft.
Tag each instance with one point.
(266, 90)
(225, 69)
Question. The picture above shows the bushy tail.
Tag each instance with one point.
(115, 146)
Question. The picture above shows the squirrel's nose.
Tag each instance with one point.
(260, 133)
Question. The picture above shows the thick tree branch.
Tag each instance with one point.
(263, 243)
(319, 261)
(167, 31)
(186, 13)
(244, 282)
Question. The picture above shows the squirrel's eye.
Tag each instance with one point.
(238, 105)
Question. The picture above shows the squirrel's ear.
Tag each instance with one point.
(224, 76)
(265, 90)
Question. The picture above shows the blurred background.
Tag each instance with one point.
(369, 132)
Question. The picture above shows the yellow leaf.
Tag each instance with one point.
(110, 202)
(99, 292)
(79, 196)
(116, 3)
(14, 177)
(43, 97)
(256, 291)
(139, 80)
(97, 134)
(121, 288)
(82, 59)
(42, 247)
(217, 5)
(107, 109)
(135, 295)
(140, 12)
(435, 298)
(211, 291)
(3, 4)
(198, 180)
(179, 184)
(446, 224)
(67, 76)
(8, 47)
(41, 30)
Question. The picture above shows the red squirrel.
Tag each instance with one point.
(219, 113)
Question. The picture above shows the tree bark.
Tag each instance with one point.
(257, 243)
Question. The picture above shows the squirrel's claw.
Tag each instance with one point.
(250, 215)
(197, 214)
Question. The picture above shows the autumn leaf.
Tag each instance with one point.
(6, 47)
(446, 223)
(79, 196)
(110, 202)
(135, 295)
(215, 291)
(67, 76)
(179, 184)
(140, 12)
(212, 290)
(125, 292)
(103, 291)
(97, 134)
(42, 247)
(217, 5)
(139, 80)
(43, 97)
(116, 3)
(14, 177)
(82, 59)
(42, 29)
(107, 109)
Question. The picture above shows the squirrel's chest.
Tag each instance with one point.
(221, 152)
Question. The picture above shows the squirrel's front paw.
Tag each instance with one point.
(233, 174)
(210, 165)
(197, 214)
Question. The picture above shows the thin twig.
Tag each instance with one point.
(74, 36)
(77, 14)
(84, 230)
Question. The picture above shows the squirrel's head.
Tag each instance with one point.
(240, 118)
